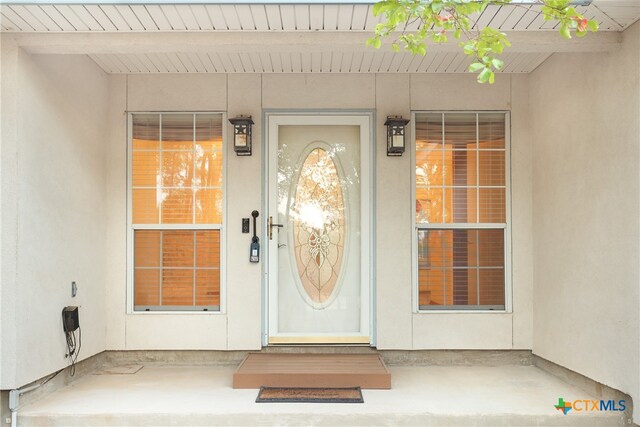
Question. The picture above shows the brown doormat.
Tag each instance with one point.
(310, 395)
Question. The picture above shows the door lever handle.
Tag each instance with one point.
(271, 225)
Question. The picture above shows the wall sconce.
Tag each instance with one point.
(395, 135)
(242, 135)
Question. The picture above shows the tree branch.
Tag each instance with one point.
(485, 45)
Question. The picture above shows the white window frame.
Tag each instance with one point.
(130, 229)
(508, 306)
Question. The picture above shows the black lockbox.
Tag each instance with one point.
(70, 320)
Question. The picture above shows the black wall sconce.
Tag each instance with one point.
(396, 140)
(242, 135)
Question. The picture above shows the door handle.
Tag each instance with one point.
(271, 225)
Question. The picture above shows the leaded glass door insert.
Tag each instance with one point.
(317, 228)
(318, 279)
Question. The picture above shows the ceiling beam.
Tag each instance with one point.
(294, 41)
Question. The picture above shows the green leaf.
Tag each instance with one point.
(475, 67)
(593, 25)
(497, 63)
(564, 31)
(484, 75)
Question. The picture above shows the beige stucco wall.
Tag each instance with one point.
(239, 327)
(585, 111)
(53, 181)
(64, 207)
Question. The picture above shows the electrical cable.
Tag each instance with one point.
(73, 348)
(52, 376)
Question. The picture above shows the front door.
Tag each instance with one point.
(318, 229)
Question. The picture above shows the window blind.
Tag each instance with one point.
(176, 183)
(460, 197)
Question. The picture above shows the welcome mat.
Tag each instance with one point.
(310, 395)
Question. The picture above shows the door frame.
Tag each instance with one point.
(365, 119)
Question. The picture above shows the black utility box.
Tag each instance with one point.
(70, 320)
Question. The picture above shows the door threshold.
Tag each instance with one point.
(317, 345)
(312, 349)
(319, 340)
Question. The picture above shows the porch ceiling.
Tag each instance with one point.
(287, 37)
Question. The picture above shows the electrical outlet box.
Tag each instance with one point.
(245, 225)
(70, 319)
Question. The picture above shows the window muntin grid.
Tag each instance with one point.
(460, 197)
(177, 195)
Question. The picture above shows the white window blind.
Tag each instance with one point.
(177, 209)
(461, 212)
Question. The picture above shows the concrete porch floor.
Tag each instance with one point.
(425, 395)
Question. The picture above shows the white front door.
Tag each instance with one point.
(319, 229)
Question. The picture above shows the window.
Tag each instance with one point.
(176, 186)
(461, 210)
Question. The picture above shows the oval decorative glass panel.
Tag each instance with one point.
(317, 216)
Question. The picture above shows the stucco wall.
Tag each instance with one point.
(64, 207)
(53, 209)
(240, 326)
(585, 111)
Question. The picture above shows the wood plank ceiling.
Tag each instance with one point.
(613, 15)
